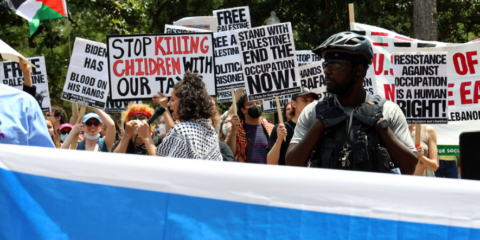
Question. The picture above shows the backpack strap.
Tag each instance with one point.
(102, 145)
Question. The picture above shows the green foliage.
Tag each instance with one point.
(312, 22)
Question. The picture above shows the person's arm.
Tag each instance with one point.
(28, 87)
(232, 136)
(129, 130)
(298, 154)
(162, 100)
(277, 137)
(78, 127)
(432, 160)
(110, 136)
(238, 94)
(145, 133)
(74, 117)
(400, 154)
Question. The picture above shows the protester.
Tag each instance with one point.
(131, 143)
(225, 150)
(248, 140)
(52, 131)
(277, 146)
(351, 129)
(64, 131)
(21, 119)
(58, 115)
(92, 123)
(225, 128)
(216, 119)
(193, 136)
(427, 151)
(286, 110)
(448, 167)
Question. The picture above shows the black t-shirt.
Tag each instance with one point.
(142, 150)
(290, 126)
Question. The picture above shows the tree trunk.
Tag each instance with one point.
(425, 19)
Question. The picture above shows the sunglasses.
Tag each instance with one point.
(89, 124)
(64, 132)
(334, 65)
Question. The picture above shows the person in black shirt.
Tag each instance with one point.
(276, 146)
(132, 143)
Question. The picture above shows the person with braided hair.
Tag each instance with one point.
(193, 137)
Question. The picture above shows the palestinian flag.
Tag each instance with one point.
(37, 10)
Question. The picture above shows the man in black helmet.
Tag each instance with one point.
(351, 129)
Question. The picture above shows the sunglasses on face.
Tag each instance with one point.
(334, 65)
(64, 132)
(89, 124)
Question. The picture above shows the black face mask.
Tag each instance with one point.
(255, 112)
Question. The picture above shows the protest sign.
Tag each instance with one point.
(269, 61)
(232, 19)
(171, 29)
(305, 57)
(463, 76)
(421, 86)
(270, 104)
(204, 23)
(370, 83)
(225, 96)
(117, 106)
(142, 65)
(228, 70)
(12, 75)
(87, 76)
(8, 53)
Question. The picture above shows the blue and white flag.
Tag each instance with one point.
(60, 194)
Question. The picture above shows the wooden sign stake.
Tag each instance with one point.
(280, 116)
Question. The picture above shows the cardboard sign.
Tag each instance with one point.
(116, 106)
(8, 53)
(204, 23)
(269, 61)
(172, 29)
(87, 76)
(233, 19)
(421, 86)
(228, 69)
(142, 65)
(305, 57)
(12, 75)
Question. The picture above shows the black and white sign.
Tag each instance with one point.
(270, 104)
(225, 96)
(421, 86)
(142, 65)
(87, 76)
(172, 29)
(269, 61)
(228, 69)
(117, 106)
(305, 57)
(12, 75)
(232, 19)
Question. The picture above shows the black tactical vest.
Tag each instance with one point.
(366, 149)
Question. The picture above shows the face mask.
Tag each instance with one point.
(64, 137)
(138, 124)
(162, 128)
(225, 130)
(255, 112)
(92, 137)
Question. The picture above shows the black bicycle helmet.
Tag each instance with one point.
(347, 42)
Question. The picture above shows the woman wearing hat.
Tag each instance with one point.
(91, 126)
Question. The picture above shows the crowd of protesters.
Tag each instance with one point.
(350, 129)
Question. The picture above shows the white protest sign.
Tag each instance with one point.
(204, 23)
(305, 57)
(142, 65)
(12, 75)
(269, 61)
(8, 53)
(421, 86)
(179, 29)
(117, 106)
(233, 19)
(228, 70)
(270, 104)
(225, 96)
(370, 83)
(87, 76)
